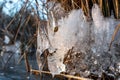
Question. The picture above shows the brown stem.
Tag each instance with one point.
(68, 76)
(26, 62)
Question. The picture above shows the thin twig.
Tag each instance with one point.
(28, 44)
(26, 62)
(10, 56)
(68, 76)
(114, 34)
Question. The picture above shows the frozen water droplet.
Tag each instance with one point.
(6, 40)
(11, 67)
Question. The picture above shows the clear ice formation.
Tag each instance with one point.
(89, 37)
(10, 54)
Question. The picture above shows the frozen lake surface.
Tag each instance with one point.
(18, 72)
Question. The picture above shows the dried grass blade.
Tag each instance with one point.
(114, 34)
(68, 76)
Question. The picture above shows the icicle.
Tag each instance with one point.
(42, 45)
(42, 41)
(53, 23)
(103, 29)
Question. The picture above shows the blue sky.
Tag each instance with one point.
(11, 8)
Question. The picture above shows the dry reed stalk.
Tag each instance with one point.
(19, 26)
(87, 7)
(10, 56)
(83, 7)
(114, 34)
(25, 24)
(12, 19)
(10, 22)
(27, 20)
(21, 16)
(73, 6)
(26, 62)
(77, 5)
(116, 5)
(101, 4)
(108, 8)
(105, 9)
(28, 44)
(117, 9)
(68, 76)
(94, 1)
(105, 6)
